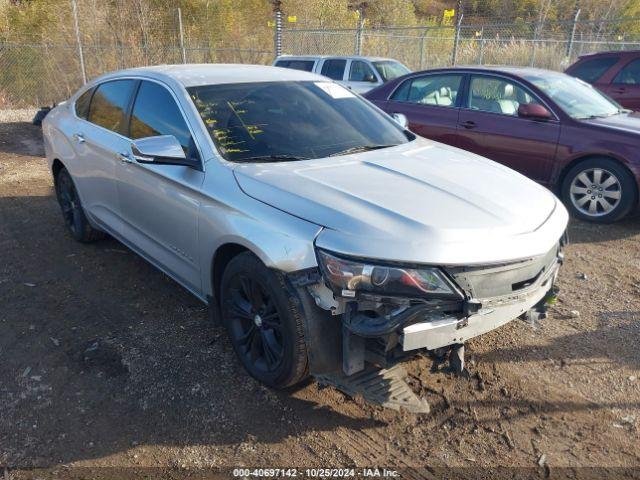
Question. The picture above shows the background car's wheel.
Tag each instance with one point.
(72, 212)
(599, 190)
(264, 322)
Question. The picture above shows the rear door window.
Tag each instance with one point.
(591, 70)
(110, 103)
(334, 68)
(155, 112)
(439, 90)
(630, 74)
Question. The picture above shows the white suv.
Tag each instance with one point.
(360, 74)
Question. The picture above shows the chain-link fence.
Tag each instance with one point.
(34, 73)
(41, 74)
(552, 45)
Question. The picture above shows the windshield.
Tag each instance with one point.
(388, 69)
(577, 98)
(279, 121)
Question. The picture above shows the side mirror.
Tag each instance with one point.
(160, 150)
(370, 78)
(534, 111)
(401, 119)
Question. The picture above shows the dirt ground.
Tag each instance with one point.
(106, 362)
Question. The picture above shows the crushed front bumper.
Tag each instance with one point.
(439, 332)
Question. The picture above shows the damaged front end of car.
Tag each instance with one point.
(383, 312)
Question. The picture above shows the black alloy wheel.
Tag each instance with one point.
(72, 212)
(264, 321)
(255, 324)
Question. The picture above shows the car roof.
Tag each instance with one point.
(319, 57)
(190, 75)
(514, 71)
(607, 53)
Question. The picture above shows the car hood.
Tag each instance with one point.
(422, 202)
(626, 122)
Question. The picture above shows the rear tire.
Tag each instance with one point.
(72, 211)
(264, 321)
(599, 190)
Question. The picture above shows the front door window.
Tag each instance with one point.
(497, 95)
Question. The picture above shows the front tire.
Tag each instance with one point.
(599, 190)
(264, 322)
(72, 211)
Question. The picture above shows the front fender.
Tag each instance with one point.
(281, 241)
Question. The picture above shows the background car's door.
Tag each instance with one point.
(431, 104)
(97, 142)
(625, 86)
(159, 203)
(489, 125)
(362, 77)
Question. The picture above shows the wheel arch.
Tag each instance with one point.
(565, 170)
(56, 166)
(221, 258)
(323, 330)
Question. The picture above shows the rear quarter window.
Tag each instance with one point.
(591, 70)
(304, 65)
(82, 104)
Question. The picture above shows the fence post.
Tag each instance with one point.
(76, 27)
(481, 46)
(359, 28)
(572, 35)
(534, 44)
(454, 53)
(277, 38)
(424, 34)
(184, 52)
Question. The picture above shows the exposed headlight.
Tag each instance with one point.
(350, 276)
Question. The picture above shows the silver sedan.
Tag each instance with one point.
(320, 232)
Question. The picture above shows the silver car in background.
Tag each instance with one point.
(319, 231)
(355, 72)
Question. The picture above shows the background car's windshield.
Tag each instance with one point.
(577, 98)
(389, 69)
(293, 119)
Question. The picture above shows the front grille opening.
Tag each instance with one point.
(526, 283)
(490, 281)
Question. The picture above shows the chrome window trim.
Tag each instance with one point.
(95, 86)
(471, 73)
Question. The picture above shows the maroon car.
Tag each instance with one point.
(615, 73)
(551, 127)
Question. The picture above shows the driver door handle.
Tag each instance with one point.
(78, 137)
(469, 125)
(124, 157)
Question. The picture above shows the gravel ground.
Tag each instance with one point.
(106, 362)
(17, 115)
